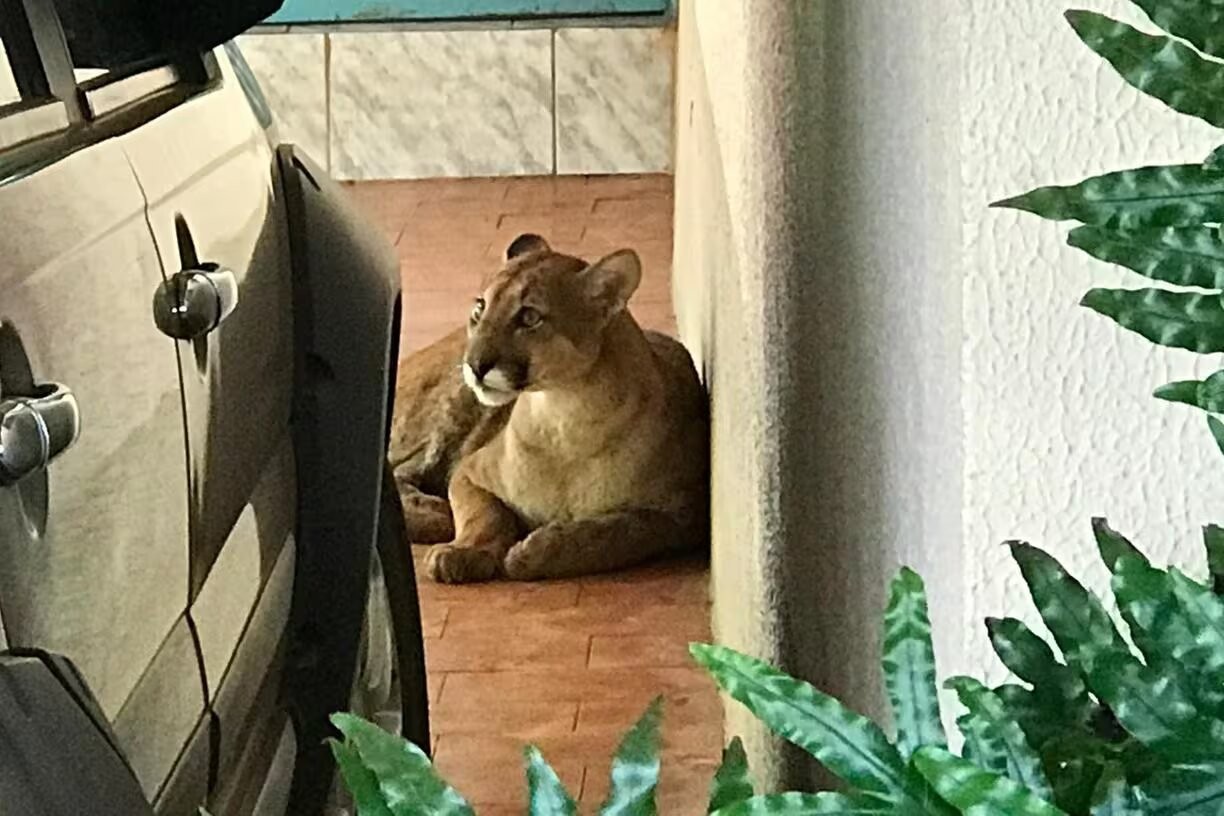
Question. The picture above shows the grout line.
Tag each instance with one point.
(445, 621)
(327, 99)
(556, 122)
(590, 649)
(577, 716)
(441, 686)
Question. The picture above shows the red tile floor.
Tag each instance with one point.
(567, 665)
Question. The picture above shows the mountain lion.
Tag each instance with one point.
(568, 440)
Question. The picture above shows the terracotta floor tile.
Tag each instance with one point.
(622, 651)
(634, 687)
(519, 720)
(434, 684)
(524, 193)
(433, 619)
(615, 618)
(503, 645)
(556, 228)
(692, 721)
(488, 770)
(620, 186)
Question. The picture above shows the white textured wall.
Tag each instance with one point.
(898, 374)
(1059, 422)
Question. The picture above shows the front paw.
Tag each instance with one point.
(448, 564)
(535, 557)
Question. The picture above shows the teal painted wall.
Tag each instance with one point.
(330, 11)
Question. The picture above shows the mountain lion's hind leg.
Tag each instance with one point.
(427, 518)
(610, 542)
(484, 530)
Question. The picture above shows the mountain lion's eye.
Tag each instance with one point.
(529, 318)
(478, 309)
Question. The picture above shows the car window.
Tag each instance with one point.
(9, 92)
(117, 54)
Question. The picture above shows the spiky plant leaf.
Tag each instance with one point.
(1206, 394)
(1184, 256)
(1215, 161)
(1178, 195)
(635, 768)
(975, 791)
(359, 780)
(1213, 541)
(406, 778)
(546, 795)
(1184, 790)
(1199, 22)
(1211, 393)
(1041, 716)
(1183, 391)
(1077, 620)
(1113, 545)
(1153, 706)
(847, 743)
(1058, 694)
(1167, 625)
(1148, 605)
(1073, 762)
(1217, 431)
(1113, 795)
(909, 665)
(982, 747)
(1159, 66)
(732, 782)
(1186, 320)
(1201, 648)
(1021, 762)
(802, 804)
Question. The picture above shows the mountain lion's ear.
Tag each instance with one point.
(525, 243)
(612, 280)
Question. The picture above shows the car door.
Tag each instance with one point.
(93, 492)
(208, 174)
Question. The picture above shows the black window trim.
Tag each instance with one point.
(96, 109)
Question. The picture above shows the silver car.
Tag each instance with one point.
(201, 556)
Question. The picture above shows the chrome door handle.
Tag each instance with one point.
(193, 302)
(35, 430)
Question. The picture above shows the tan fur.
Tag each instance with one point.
(599, 462)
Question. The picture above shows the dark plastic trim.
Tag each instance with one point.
(57, 755)
(346, 298)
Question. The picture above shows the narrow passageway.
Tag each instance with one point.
(567, 665)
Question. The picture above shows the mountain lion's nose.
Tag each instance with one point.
(481, 367)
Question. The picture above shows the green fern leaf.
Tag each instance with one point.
(546, 796)
(732, 782)
(1159, 66)
(1186, 320)
(1020, 762)
(975, 791)
(635, 768)
(1180, 195)
(909, 665)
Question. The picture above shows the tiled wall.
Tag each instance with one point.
(472, 102)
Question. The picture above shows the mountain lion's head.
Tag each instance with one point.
(539, 322)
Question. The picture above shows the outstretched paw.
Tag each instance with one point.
(448, 564)
(538, 556)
